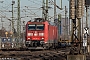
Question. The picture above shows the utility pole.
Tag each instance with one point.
(66, 25)
(79, 16)
(83, 4)
(59, 26)
(18, 23)
(24, 33)
(46, 15)
(86, 16)
(2, 26)
(61, 4)
(57, 5)
(13, 2)
(43, 9)
(54, 10)
(2, 22)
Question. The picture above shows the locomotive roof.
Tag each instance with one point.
(39, 20)
(42, 20)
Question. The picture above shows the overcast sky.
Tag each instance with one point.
(30, 8)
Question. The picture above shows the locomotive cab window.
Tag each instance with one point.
(40, 27)
(36, 27)
(31, 27)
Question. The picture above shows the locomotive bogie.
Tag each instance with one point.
(35, 43)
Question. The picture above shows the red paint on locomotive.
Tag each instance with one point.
(46, 36)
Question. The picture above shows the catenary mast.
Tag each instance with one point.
(18, 22)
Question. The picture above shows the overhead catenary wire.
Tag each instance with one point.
(32, 12)
(34, 1)
(5, 6)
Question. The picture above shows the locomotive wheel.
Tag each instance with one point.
(27, 45)
(46, 46)
(53, 45)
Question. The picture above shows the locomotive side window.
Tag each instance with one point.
(40, 27)
(31, 27)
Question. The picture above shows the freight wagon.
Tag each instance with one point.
(63, 36)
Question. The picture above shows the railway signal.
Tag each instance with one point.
(85, 40)
(86, 30)
(6, 33)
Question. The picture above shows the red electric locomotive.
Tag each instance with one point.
(40, 33)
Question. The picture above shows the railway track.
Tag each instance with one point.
(58, 54)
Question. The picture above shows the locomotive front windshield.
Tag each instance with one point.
(36, 27)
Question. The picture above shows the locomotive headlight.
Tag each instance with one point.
(42, 38)
(35, 34)
(28, 38)
(41, 34)
(30, 34)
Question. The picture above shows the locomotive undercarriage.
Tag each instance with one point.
(40, 43)
(34, 43)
